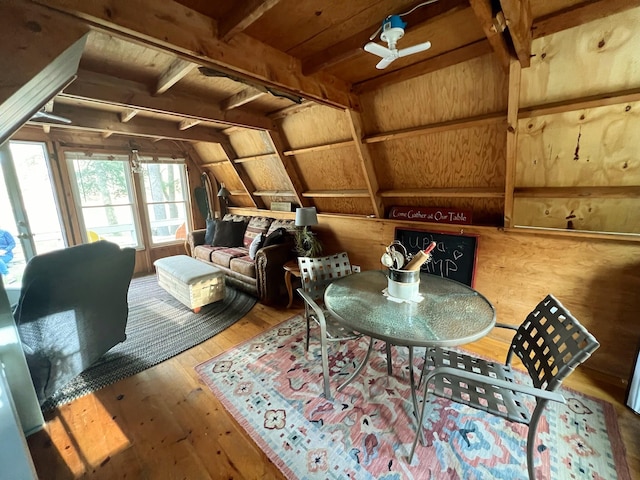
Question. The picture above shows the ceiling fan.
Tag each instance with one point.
(392, 31)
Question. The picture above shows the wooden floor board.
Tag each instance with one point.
(164, 423)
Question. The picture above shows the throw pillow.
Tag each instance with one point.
(229, 234)
(256, 245)
(211, 230)
(276, 237)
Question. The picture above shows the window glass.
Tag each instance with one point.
(166, 199)
(104, 195)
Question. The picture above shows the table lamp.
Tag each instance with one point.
(307, 245)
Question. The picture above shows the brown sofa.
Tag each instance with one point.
(262, 276)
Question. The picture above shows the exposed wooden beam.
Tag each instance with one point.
(243, 15)
(173, 74)
(46, 128)
(292, 110)
(39, 54)
(128, 94)
(193, 36)
(449, 125)
(288, 166)
(245, 180)
(252, 158)
(88, 119)
(247, 95)
(579, 14)
(366, 163)
(106, 134)
(519, 21)
(512, 140)
(459, 55)
(128, 114)
(352, 46)
(484, 13)
(274, 193)
(186, 124)
(336, 194)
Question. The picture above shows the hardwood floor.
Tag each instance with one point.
(164, 423)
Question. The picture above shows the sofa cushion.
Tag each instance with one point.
(223, 256)
(231, 217)
(229, 234)
(255, 226)
(203, 252)
(243, 265)
(256, 245)
(289, 225)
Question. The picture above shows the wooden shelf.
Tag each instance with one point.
(577, 192)
(592, 101)
(274, 193)
(336, 193)
(445, 192)
(439, 127)
(318, 148)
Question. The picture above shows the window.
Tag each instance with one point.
(164, 186)
(104, 196)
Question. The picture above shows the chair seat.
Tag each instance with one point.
(498, 401)
(336, 331)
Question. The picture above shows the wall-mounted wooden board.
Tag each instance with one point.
(435, 97)
(613, 215)
(597, 57)
(317, 125)
(594, 147)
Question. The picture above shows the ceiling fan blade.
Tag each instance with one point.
(421, 47)
(377, 49)
(49, 116)
(385, 62)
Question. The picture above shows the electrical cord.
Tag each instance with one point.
(429, 2)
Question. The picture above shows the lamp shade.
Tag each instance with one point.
(306, 216)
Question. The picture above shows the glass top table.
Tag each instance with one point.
(449, 314)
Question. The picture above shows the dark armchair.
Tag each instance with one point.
(72, 309)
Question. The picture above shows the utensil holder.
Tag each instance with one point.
(403, 284)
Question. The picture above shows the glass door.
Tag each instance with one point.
(29, 207)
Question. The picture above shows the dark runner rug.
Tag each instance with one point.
(159, 327)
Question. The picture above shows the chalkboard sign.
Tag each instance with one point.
(454, 256)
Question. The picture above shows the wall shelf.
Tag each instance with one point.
(456, 192)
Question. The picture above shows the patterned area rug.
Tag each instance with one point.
(273, 389)
(159, 327)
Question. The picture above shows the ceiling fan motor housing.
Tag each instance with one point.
(392, 30)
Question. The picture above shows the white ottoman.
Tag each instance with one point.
(192, 282)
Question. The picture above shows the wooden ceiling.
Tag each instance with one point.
(190, 69)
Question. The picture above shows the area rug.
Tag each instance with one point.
(159, 327)
(272, 387)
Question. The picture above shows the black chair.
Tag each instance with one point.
(551, 343)
(72, 309)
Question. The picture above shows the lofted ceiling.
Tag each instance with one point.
(191, 69)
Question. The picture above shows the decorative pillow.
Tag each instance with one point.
(256, 245)
(288, 225)
(211, 230)
(255, 226)
(229, 234)
(276, 237)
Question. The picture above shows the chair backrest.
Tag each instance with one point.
(551, 343)
(317, 273)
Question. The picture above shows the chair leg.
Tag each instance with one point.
(426, 406)
(325, 366)
(389, 364)
(308, 332)
(531, 437)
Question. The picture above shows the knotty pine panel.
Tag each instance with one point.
(597, 57)
(471, 157)
(317, 125)
(209, 152)
(591, 214)
(598, 280)
(594, 147)
(468, 89)
(267, 174)
(348, 205)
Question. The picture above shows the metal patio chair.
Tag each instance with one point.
(316, 273)
(551, 343)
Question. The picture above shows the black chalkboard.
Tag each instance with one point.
(454, 256)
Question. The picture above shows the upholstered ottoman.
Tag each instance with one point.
(192, 282)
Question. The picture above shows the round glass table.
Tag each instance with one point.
(449, 314)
